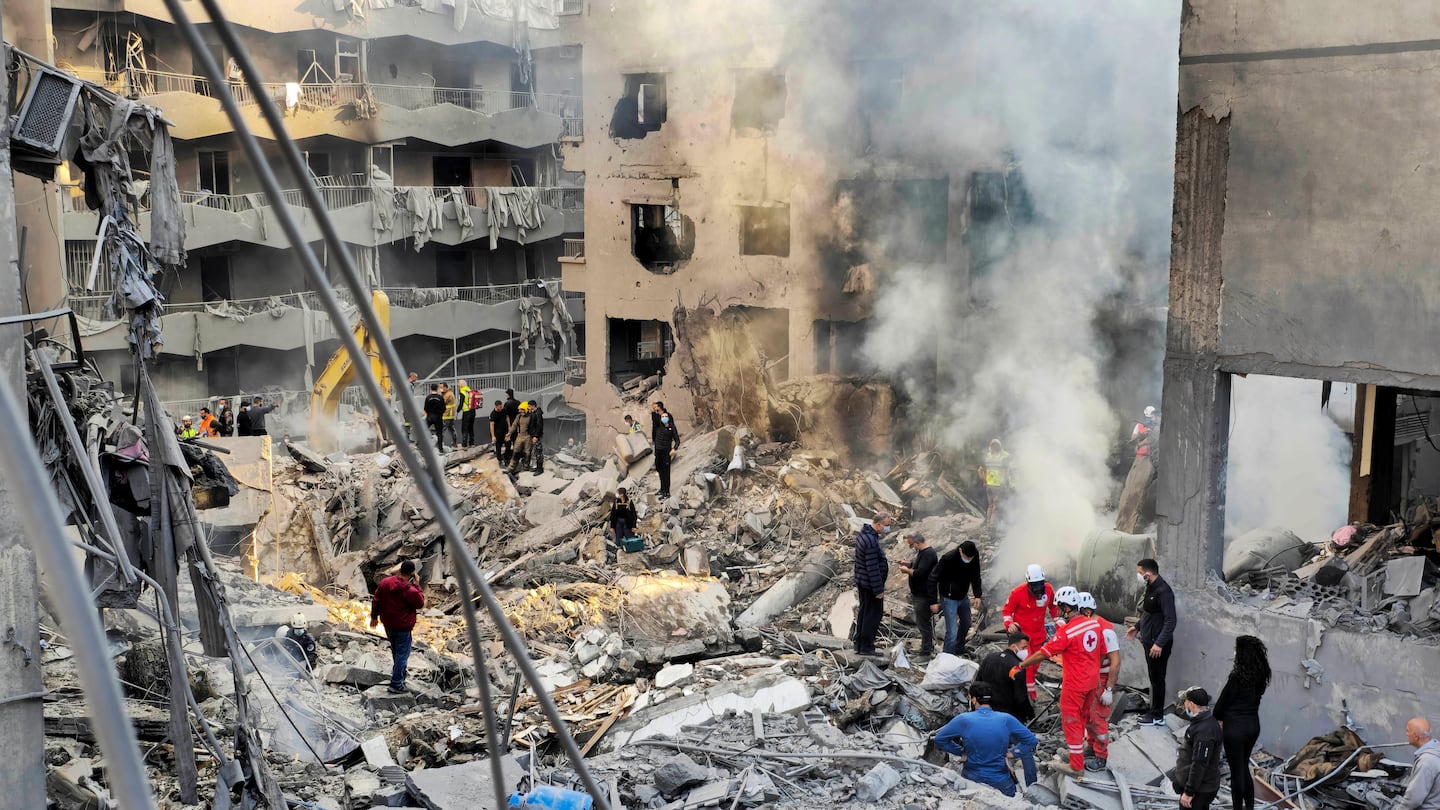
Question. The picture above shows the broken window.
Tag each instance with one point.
(904, 221)
(759, 101)
(999, 207)
(837, 347)
(641, 110)
(215, 278)
(214, 172)
(638, 351)
(765, 230)
(661, 236)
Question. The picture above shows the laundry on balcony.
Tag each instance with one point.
(457, 198)
(518, 206)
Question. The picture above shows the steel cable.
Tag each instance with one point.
(430, 486)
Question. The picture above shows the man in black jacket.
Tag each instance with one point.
(1157, 635)
(1197, 763)
(537, 435)
(499, 428)
(666, 440)
(923, 600)
(955, 576)
(435, 415)
(1010, 694)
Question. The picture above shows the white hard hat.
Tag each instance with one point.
(299, 622)
(1085, 600)
(1149, 410)
(1033, 573)
(1066, 596)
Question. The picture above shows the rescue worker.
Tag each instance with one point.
(1097, 726)
(208, 427)
(1026, 609)
(995, 471)
(468, 403)
(987, 739)
(299, 633)
(519, 437)
(1079, 640)
(631, 426)
(449, 418)
(186, 429)
(667, 441)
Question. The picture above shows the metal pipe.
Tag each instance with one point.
(430, 486)
(39, 511)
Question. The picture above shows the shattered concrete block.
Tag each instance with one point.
(585, 652)
(677, 773)
(1403, 576)
(905, 738)
(542, 508)
(711, 794)
(390, 796)
(377, 752)
(673, 674)
(791, 590)
(877, 782)
(1072, 793)
(380, 699)
(460, 786)
(885, 494)
(363, 677)
(769, 693)
(360, 785)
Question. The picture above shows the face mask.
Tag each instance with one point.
(1023, 652)
(966, 560)
(1142, 578)
(1037, 589)
(885, 529)
(665, 420)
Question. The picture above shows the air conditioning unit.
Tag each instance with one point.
(46, 114)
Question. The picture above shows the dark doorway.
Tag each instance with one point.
(451, 170)
(215, 278)
(215, 172)
(453, 269)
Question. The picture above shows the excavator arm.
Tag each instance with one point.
(340, 371)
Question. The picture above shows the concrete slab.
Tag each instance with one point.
(770, 693)
(362, 677)
(1127, 758)
(377, 752)
(380, 699)
(542, 508)
(1403, 576)
(462, 786)
(1074, 794)
(274, 616)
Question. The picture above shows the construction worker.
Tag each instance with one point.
(1079, 640)
(305, 650)
(462, 407)
(1097, 726)
(520, 437)
(1026, 609)
(448, 417)
(187, 429)
(995, 471)
(209, 428)
(474, 400)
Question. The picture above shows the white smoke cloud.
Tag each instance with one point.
(1289, 463)
(1081, 99)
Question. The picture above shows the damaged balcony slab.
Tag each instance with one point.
(458, 787)
(771, 694)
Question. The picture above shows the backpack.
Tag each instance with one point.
(476, 399)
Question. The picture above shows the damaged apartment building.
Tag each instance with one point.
(1304, 248)
(434, 133)
(745, 201)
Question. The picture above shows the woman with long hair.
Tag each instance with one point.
(1238, 710)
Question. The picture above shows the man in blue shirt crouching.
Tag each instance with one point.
(986, 738)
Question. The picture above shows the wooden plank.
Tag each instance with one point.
(604, 727)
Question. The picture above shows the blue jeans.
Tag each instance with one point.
(957, 623)
(1006, 785)
(400, 654)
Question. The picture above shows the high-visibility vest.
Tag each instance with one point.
(463, 403)
(997, 468)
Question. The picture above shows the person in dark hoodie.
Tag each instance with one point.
(1011, 696)
(1197, 762)
(955, 577)
(871, 571)
(537, 437)
(435, 415)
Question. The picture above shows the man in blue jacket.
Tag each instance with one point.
(986, 738)
(871, 571)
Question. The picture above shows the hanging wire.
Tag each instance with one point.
(429, 473)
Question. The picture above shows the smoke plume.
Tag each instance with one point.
(1289, 462)
(1075, 106)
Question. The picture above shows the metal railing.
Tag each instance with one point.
(575, 370)
(568, 7)
(346, 191)
(572, 127)
(331, 96)
(573, 249)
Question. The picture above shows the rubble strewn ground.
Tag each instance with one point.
(711, 668)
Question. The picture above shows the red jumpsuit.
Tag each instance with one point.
(1028, 612)
(1082, 643)
(1097, 725)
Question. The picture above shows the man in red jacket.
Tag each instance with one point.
(1026, 609)
(396, 602)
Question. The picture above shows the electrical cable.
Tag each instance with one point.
(281, 705)
(35, 501)
(430, 486)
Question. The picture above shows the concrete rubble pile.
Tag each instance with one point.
(1366, 577)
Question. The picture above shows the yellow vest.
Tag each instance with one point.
(997, 468)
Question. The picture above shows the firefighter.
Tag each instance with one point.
(1080, 641)
(1026, 610)
(1097, 727)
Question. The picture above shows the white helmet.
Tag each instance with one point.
(1067, 596)
(1033, 573)
(1149, 411)
(299, 622)
(1085, 600)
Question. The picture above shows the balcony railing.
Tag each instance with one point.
(92, 307)
(574, 250)
(575, 371)
(330, 96)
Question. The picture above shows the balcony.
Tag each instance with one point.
(212, 219)
(575, 371)
(574, 251)
(370, 113)
(281, 321)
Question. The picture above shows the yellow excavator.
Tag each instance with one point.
(340, 371)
